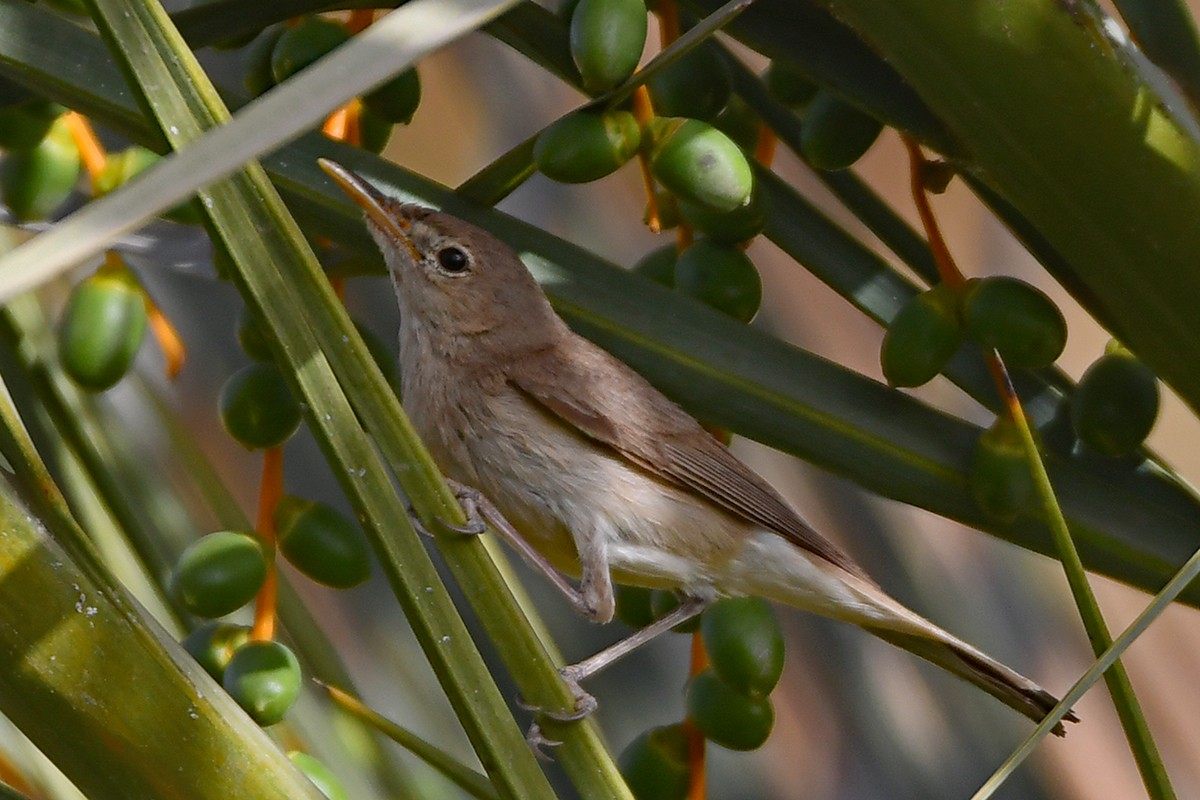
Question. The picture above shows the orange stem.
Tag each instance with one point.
(269, 493)
(668, 22)
(336, 123)
(360, 20)
(91, 151)
(167, 336)
(643, 112)
(339, 288)
(948, 271)
(697, 775)
(764, 148)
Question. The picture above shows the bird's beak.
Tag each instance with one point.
(372, 202)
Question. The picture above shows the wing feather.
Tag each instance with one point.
(608, 402)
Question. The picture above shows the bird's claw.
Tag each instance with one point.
(537, 740)
(468, 498)
(585, 704)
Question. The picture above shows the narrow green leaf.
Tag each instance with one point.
(79, 655)
(264, 242)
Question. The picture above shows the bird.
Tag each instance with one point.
(589, 471)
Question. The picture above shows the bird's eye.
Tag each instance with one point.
(452, 259)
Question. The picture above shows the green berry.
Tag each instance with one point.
(102, 328)
(35, 182)
(1001, 481)
(697, 86)
(655, 764)
(659, 265)
(264, 679)
(257, 407)
(744, 644)
(321, 776)
(25, 124)
(634, 606)
(304, 44)
(727, 717)
(740, 123)
(1016, 319)
(374, 132)
(721, 276)
(586, 145)
(922, 337)
(396, 101)
(259, 78)
(700, 164)
(663, 602)
(214, 643)
(321, 543)
(835, 134)
(606, 39)
(254, 337)
(729, 227)
(789, 85)
(219, 573)
(1115, 404)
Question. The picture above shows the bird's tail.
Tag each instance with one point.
(774, 568)
(1008, 686)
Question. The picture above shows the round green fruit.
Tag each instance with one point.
(259, 78)
(635, 606)
(700, 164)
(1115, 404)
(35, 182)
(729, 227)
(101, 329)
(1001, 481)
(264, 679)
(922, 338)
(655, 764)
(606, 39)
(659, 265)
(219, 573)
(374, 132)
(1015, 319)
(586, 145)
(396, 101)
(744, 644)
(834, 133)
(25, 124)
(213, 645)
(726, 716)
(257, 407)
(789, 85)
(697, 86)
(721, 276)
(304, 44)
(663, 602)
(740, 123)
(321, 543)
(322, 776)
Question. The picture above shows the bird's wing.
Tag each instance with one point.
(610, 403)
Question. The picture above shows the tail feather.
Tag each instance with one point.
(1009, 687)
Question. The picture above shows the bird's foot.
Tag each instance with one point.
(470, 499)
(584, 702)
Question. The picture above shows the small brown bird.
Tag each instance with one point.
(604, 477)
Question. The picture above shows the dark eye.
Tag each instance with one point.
(452, 259)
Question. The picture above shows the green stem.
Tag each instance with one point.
(1162, 601)
(1141, 742)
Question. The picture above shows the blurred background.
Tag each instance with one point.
(855, 718)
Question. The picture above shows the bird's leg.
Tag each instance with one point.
(572, 674)
(482, 513)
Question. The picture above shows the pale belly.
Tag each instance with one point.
(562, 491)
